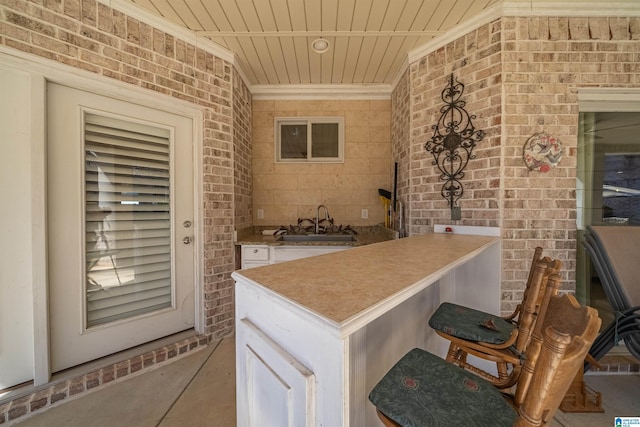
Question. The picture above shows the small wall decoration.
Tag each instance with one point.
(453, 140)
(542, 152)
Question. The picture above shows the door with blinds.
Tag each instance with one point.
(120, 224)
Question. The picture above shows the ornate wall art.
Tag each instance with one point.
(454, 138)
(542, 152)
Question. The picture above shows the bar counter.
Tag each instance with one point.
(314, 335)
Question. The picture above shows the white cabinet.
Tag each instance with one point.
(255, 256)
(280, 390)
(308, 348)
(289, 253)
(258, 255)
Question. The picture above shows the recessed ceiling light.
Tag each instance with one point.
(320, 45)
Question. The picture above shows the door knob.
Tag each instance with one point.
(186, 240)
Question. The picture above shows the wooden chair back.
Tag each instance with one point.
(536, 295)
(537, 256)
(559, 344)
(508, 355)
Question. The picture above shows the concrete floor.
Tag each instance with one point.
(620, 398)
(196, 390)
(199, 390)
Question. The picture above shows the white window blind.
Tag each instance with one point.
(128, 219)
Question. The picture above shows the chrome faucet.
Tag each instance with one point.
(326, 217)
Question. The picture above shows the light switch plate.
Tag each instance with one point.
(260, 213)
(364, 213)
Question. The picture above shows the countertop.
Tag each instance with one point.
(364, 236)
(340, 287)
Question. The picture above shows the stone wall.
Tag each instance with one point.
(286, 192)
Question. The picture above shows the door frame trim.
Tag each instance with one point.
(42, 71)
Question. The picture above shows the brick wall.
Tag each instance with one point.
(475, 61)
(242, 154)
(521, 77)
(287, 192)
(546, 61)
(90, 36)
(400, 138)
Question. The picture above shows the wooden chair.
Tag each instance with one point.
(498, 339)
(425, 390)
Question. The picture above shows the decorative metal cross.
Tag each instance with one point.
(453, 140)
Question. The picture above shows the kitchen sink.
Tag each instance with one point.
(316, 238)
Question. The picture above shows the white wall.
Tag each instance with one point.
(16, 246)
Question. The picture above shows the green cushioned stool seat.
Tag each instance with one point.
(471, 325)
(424, 390)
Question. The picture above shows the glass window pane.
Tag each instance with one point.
(309, 139)
(293, 141)
(611, 176)
(324, 140)
(607, 189)
(621, 189)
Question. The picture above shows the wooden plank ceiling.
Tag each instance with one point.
(368, 39)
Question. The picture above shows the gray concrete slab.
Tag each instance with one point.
(140, 401)
(199, 390)
(620, 398)
(210, 399)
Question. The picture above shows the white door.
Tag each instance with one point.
(120, 214)
(16, 235)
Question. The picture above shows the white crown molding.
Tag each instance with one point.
(456, 32)
(608, 99)
(400, 73)
(178, 31)
(584, 8)
(629, 8)
(531, 8)
(243, 76)
(321, 91)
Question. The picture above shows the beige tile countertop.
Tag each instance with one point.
(340, 286)
(364, 236)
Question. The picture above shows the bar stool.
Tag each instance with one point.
(423, 390)
(498, 339)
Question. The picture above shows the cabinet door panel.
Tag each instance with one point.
(276, 389)
(255, 253)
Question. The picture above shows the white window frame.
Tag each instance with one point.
(595, 100)
(601, 100)
(309, 121)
